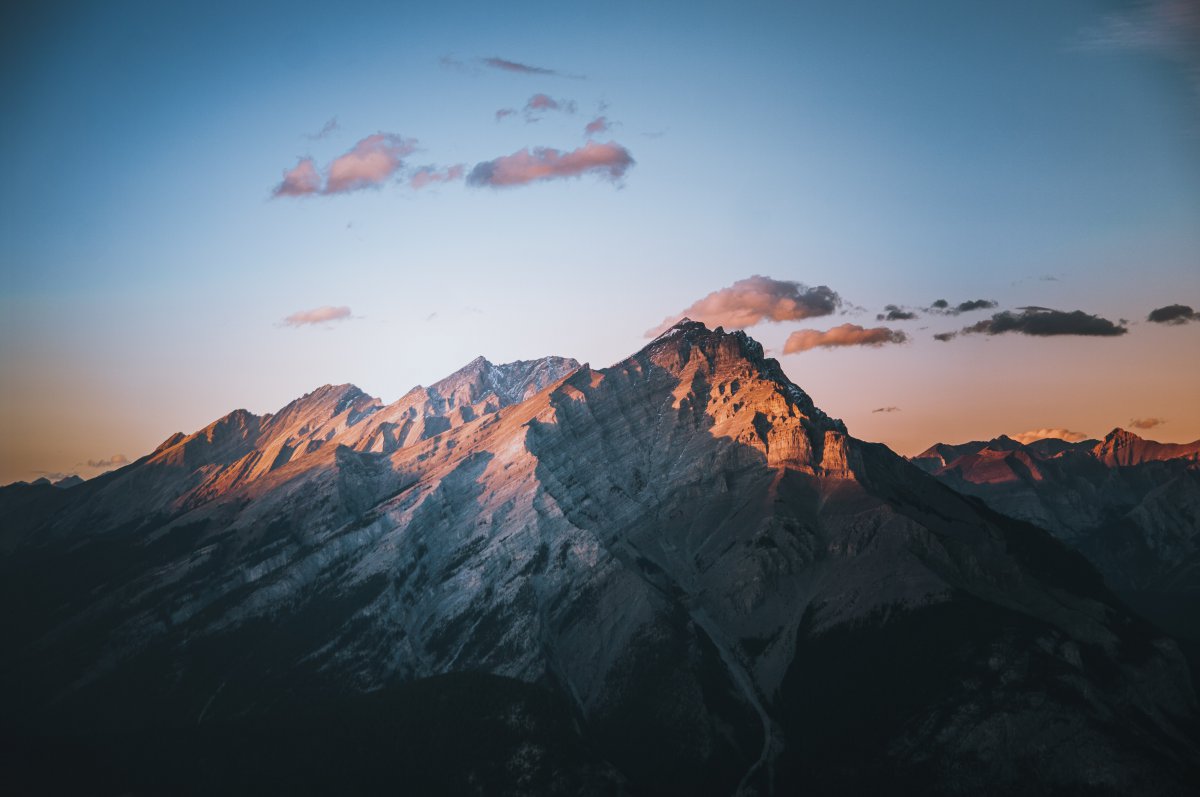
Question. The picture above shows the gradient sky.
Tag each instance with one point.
(1027, 153)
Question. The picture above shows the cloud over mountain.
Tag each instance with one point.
(1145, 423)
(755, 299)
(609, 161)
(1041, 434)
(1044, 322)
(843, 335)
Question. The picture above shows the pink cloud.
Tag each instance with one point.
(319, 315)
(1033, 435)
(301, 180)
(597, 125)
(427, 175)
(526, 166)
(369, 164)
(503, 112)
(512, 66)
(754, 299)
(844, 335)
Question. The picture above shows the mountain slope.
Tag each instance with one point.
(1132, 506)
(730, 592)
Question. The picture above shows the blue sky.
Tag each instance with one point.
(898, 153)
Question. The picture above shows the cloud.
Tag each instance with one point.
(505, 65)
(318, 315)
(596, 126)
(943, 307)
(885, 409)
(1145, 423)
(369, 163)
(1025, 438)
(894, 313)
(540, 103)
(1167, 28)
(945, 337)
(301, 180)
(428, 175)
(755, 299)
(504, 112)
(844, 335)
(115, 461)
(330, 127)
(526, 166)
(1043, 322)
(1173, 314)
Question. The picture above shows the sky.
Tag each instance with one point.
(225, 205)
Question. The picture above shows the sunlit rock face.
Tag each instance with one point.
(727, 591)
(1131, 506)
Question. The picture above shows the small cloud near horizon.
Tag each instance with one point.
(839, 336)
(318, 315)
(1173, 314)
(1044, 322)
(1145, 423)
(755, 299)
(885, 409)
(609, 161)
(1025, 438)
(115, 461)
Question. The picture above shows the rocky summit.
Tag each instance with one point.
(675, 575)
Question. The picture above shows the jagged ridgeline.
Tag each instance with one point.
(675, 575)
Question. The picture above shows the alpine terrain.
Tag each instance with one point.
(675, 575)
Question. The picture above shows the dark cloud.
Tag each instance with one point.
(945, 336)
(505, 65)
(943, 307)
(526, 166)
(1173, 314)
(885, 409)
(1043, 322)
(843, 335)
(1146, 423)
(754, 299)
(895, 313)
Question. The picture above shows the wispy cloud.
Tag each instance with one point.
(885, 409)
(329, 128)
(1145, 423)
(504, 113)
(115, 461)
(540, 103)
(1173, 314)
(1043, 322)
(844, 335)
(526, 166)
(428, 175)
(596, 126)
(1032, 435)
(318, 315)
(505, 65)
(301, 180)
(369, 163)
(1167, 28)
(755, 299)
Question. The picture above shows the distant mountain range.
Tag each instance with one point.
(1131, 506)
(675, 575)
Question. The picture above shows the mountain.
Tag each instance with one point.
(675, 575)
(1131, 506)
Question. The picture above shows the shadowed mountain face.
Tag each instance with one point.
(1131, 506)
(673, 576)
